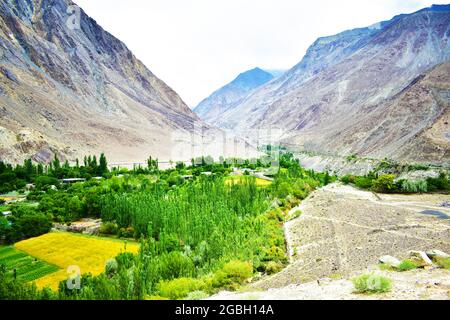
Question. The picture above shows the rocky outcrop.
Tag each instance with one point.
(390, 261)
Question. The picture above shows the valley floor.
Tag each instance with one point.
(343, 230)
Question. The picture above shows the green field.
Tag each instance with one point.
(28, 268)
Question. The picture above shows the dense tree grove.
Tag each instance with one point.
(198, 232)
(16, 177)
(389, 183)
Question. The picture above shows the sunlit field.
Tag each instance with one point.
(239, 179)
(63, 250)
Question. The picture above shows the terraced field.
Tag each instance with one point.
(27, 267)
(64, 250)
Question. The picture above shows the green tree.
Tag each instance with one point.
(103, 167)
(29, 168)
(75, 208)
(56, 163)
(28, 224)
(152, 164)
(40, 169)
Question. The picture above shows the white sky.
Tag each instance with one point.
(197, 46)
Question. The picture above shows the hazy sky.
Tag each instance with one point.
(197, 46)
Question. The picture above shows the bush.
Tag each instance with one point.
(126, 232)
(273, 267)
(109, 228)
(441, 183)
(414, 186)
(407, 265)
(274, 253)
(363, 182)
(443, 263)
(175, 265)
(371, 283)
(233, 274)
(384, 184)
(179, 288)
(348, 179)
(111, 267)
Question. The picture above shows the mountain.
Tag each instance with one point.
(232, 94)
(355, 92)
(276, 72)
(69, 87)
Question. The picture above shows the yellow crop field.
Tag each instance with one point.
(237, 179)
(64, 250)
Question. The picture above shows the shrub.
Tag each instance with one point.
(407, 265)
(363, 182)
(233, 274)
(109, 228)
(273, 267)
(275, 214)
(126, 232)
(179, 288)
(274, 253)
(441, 183)
(348, 179)
(175, 265)
(371, 283)
(443, 263)
(414, 186)
(111, 267)
(384, 183)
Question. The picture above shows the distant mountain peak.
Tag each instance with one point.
(252, 78)
(233, 92)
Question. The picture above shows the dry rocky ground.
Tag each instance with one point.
(343, 231)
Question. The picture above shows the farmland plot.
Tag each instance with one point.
(27, 267)
(64, 250)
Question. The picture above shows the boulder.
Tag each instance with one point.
(92, 230)
(437, 254)
(420, 258)
(390, 261)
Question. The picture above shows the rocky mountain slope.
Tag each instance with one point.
(381, 91)
(232, 94)
(343, 232)
(69, 87)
